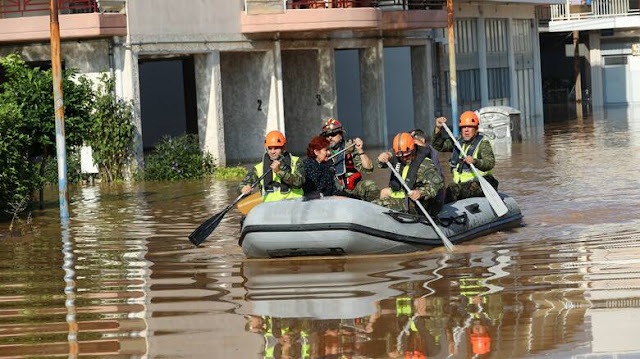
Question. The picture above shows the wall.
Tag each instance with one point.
(398, 90)
(301, 82)
(246, 79)
(90, 58)
(349, 94)
(174, 21)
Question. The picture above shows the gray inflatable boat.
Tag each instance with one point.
(344, 226)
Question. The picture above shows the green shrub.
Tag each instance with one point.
(74, 173)
(229, 173)
(176, 159)
(112, 131)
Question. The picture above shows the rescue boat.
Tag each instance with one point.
(345, 226)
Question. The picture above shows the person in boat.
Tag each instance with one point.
(351, 164)
(281, 162)
(316, 173)
(424, 149)
(478, 152)
(417, 170)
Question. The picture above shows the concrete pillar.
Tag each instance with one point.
(209, 98)
(513, 101)
(595, 57)
(482, 63)
(422, 78)
(131, 92)
(327, 83)
(537, 72)
(374, 124)
(275, 116)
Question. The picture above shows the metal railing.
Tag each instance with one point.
(32, 7)
(384, 4)
(597, 9)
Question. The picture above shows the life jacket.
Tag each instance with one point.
(408, 174)
(461, 170)
(345, 167)
(432, 154)
(273, 189)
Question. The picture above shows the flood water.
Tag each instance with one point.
(122, 280)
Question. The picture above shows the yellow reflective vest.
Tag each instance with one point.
(401, 193)
(276, 195)
(466, 174)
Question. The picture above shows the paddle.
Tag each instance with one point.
(248, 203)
(489, 192)
(445, 240)
(204, 230)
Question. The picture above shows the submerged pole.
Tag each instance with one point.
(453, 83)
(576, 73)
(58, 105)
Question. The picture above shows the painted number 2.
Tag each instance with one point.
(259, 105)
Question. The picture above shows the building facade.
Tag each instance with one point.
(232, 70)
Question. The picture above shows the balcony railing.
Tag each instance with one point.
(594, 9)
(384, 4)
(17, 8)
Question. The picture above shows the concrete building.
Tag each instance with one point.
(609, 47)
(231, 70)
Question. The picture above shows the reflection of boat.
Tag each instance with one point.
(337, 289)
(348, 226)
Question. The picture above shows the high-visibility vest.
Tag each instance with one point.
(276, 195)
(401, 193)
(466, 174)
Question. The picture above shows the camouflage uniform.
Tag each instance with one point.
(485, 160)
(428, 182)
(366, 190)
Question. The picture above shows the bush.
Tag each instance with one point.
(112, 131)
(230, 173)
(176, 159)
(74, 173)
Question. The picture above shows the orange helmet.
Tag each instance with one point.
(274, 139)
(403, 142)
(331, 125)
(469, 119)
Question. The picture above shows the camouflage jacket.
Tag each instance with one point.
(485, 161)
(428, 180)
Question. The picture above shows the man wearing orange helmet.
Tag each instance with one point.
(418, 172)
(478, 152)
(282, 164)
(350, 164)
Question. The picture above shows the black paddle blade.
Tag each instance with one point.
(204, 230)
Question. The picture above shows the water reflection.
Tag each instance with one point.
(123, 281)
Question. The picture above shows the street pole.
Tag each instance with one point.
(453, 83)
(58, 104)
(576, 73)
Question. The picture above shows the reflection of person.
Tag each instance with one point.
(274, 187)
(478, 152)
(419, 173)
(480, 339)
(351, 164)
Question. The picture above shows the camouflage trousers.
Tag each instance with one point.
(457, 191)
(366, 190)
(398, 204)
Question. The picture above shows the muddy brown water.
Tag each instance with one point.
(122, 280)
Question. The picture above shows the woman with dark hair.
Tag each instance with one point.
(317, 170)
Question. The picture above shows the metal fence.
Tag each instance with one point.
(29, 7)
(596, 9)
(385, 4)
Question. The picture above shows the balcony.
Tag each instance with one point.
(595, 15)
(267, 16)
(28, 20)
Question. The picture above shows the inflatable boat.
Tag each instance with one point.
(344, 226)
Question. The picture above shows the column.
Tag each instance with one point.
(131, 92)
(422, 78)
(482, 62)
(327, 83)
(275, 117)
(537, 71)
(595, 57)
(209, 98)
(512, 66)
(373, 99)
